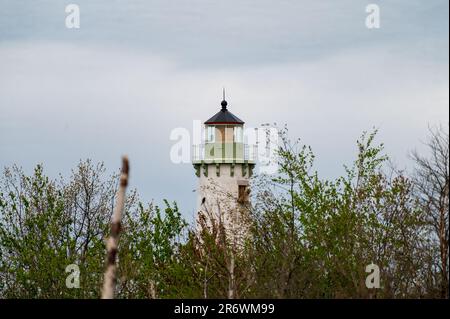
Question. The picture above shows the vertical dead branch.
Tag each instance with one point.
(113, 240)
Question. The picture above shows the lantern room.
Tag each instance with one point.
(223, 140)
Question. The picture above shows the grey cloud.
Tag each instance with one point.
(60, 103)
(151, 66)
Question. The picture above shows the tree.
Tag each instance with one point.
(431, 181)
(33, 241)
(47, 225)
(306, 236)
(313, 237)
(149, 253)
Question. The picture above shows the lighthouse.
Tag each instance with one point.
(224, 163)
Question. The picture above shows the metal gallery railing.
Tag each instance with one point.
(222, 152)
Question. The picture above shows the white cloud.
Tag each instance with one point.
(62, 102)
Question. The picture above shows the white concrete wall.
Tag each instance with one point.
(221, 194)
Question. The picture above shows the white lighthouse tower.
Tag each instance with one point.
(224, 165)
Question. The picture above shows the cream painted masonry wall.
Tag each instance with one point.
(221, 194)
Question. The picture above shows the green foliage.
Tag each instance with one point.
(309, 237)
(320, 234)
(32, 238)
(46, 226)
(149, 252)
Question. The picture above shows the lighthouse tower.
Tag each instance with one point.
(224, 164)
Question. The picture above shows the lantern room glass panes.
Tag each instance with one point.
(238, 136)
(223, 133)
(210, 134)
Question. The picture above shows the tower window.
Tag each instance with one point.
(242, 194)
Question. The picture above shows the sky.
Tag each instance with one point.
(136, 70)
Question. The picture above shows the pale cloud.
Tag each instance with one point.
(60, 103)
(118, 87)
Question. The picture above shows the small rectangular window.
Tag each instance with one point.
(242, 194)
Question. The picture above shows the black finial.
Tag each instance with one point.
(224, 103)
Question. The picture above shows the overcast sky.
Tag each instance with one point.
(136, 70)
